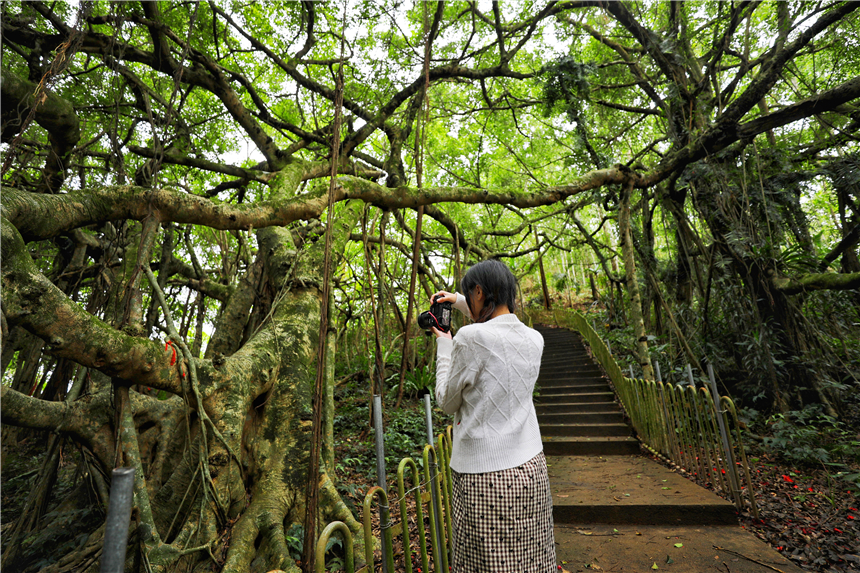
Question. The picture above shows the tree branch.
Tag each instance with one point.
(32, 302)
(198, 163)
(817, 281)
(55, 114)
(630, 108)
(43, 216)
(848, 241)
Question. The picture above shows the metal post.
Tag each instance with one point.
(380, 472)
(730, 458)
(437, 508)
(118, 517)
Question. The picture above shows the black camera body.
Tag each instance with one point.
(439, 316)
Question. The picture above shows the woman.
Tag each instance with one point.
(501, 504)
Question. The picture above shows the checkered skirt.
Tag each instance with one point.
(502, 520)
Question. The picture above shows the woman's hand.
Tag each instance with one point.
(444, 296)
(440, 334)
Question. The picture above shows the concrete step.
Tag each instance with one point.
(581, 418)
(571, 380)
(589, 430)
(616, 510)
(590, 446)
(572, 370)
(570, 373)
(559, 354)
(576, 406)
(619, 547)
(549, 361)
(630, 490)
(586, 369)
(582, 388)
(567, 378)
(556, 344)
(549, 397)
(574, 389)
(560, 335)
(595, 407)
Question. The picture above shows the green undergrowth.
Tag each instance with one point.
(405, 435)
(809, 438)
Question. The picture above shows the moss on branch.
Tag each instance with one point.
(43, 216)
(817, 281)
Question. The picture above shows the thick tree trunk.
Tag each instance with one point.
(547, 302)
(236, 430)
(627, 250)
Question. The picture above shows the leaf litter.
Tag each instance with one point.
(810, 516)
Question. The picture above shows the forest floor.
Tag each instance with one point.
(355, 471)
(808, 514)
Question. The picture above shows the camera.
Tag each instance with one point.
(439, 316)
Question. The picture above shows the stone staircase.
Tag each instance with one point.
(597, 473)
(576, 408)
(613, 508)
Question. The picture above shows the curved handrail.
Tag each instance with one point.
(346, 535)
(419, 518)
(377, 491)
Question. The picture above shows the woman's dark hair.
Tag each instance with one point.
(498, 283)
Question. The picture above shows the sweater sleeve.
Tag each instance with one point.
(462, 306)
(457, 368)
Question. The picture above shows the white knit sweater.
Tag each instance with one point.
(485, 376)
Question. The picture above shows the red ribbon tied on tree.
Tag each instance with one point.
(169, 344)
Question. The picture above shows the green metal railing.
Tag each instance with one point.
(679, 423)
(422, 493)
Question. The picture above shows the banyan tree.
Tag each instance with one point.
(202, 200)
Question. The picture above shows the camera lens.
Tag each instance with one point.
(425, 320)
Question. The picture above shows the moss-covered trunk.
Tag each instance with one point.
(221, 463)
(627, 251)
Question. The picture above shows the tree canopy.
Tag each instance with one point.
(167, 177)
